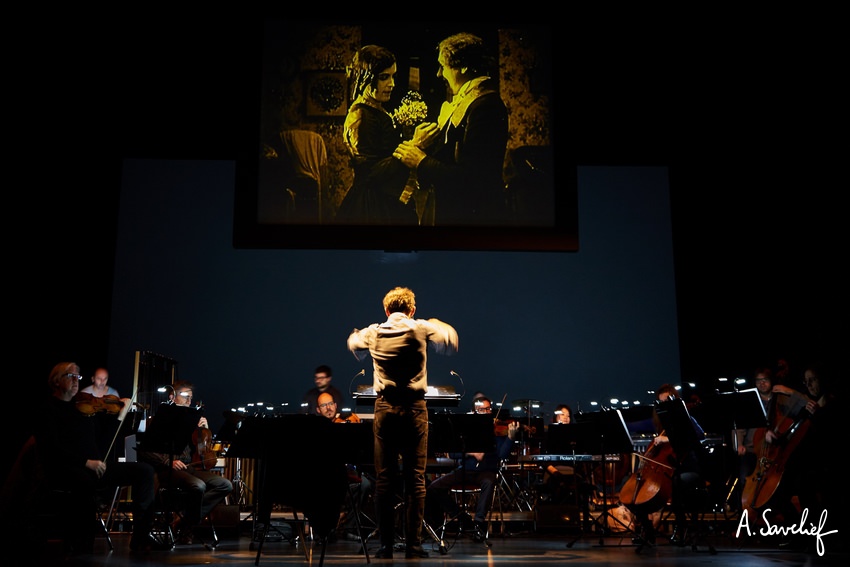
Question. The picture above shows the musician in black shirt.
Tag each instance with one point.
(73, 462)
(478, 469)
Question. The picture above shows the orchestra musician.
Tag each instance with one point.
(745, 437)
(322, 378)
(678, 475)
(790, 459)
(555, 476)
(99, 394)
(359, 483)
(99, 386)
(73, 462)
(561, 483)
(190, 470)
(477, 469)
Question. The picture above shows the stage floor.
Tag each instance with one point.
(511, 550)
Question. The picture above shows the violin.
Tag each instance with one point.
(89, 404)
(501, 427)
(204, 456)
(351, 418)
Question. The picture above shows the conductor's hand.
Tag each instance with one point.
(203, 423)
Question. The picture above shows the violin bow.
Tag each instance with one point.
(123, 414)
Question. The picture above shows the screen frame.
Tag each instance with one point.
(250, 233)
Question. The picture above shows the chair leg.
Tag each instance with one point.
(106, 525)
(214, 543)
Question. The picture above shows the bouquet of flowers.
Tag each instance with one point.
(411, 112)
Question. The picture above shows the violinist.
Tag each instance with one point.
(99, 387)
(359, 483)
(327, 406)
(475, 468)
(74, 462)
(103, 403)
(205, 488)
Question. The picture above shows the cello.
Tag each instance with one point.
(650, 486)
(772, 458)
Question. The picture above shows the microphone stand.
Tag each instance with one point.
(353, 378)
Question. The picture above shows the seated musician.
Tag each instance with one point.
(747, 455)
(74, 463)
(554, 474)
(476, 469)
(190, 472)
(359, 483)
(561, 484)
(808, 466)
(687, 477)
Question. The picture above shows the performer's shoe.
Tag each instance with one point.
(386, 552)
(414, 551)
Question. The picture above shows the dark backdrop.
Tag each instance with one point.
(251, 325)
(736, 109)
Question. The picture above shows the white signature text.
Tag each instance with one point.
(796, 529)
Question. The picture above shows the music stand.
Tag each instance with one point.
(169, 433)
(678, 426)
(611, 437)
(311, 438)
(732, 410)
(576, 438)
(171, 430)
(356, 442)
(459, 433)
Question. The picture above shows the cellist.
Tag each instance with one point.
(686, 476)
(768, 485)
(808, 468)
(763, 378)
(205, 489)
